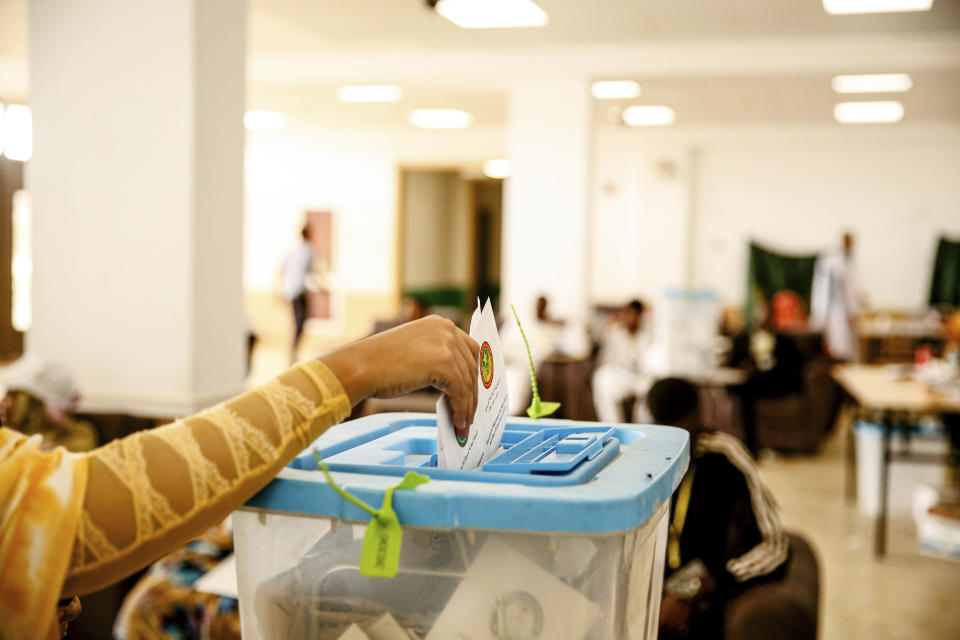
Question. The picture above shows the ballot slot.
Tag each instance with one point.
(548, 456)
(553, 450)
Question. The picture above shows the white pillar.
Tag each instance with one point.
(136, 181)
(546, 213)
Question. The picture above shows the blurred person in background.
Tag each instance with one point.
(41, 398)
(624, 351)
(163, 604)
(725, 531)
(771, 359)
(297, 267)
(836, 300)
(548, 336)
(413, 308)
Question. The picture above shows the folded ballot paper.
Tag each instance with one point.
(482, 440)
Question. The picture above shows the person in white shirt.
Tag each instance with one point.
(836, 300)
(622, 374)
(548, 337)
(297, 267)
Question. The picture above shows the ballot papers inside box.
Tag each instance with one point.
(560, 535)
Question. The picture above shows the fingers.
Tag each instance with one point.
(461, 363)
(466, 392)
(470, 351)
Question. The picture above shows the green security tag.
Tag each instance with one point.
(380, 556)
(538, 408)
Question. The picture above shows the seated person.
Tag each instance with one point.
(40, 399)
(548, 336)
(164, 604)
(622, 373)
(725, 530)
(773, 364)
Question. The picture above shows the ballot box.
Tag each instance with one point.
(561, 535)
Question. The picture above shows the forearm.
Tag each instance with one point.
(153, 491)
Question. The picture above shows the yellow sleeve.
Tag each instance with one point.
(155, 490)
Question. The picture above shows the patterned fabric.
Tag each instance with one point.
(125, 504)
(39, 508)
(772, 550)
(164, 605)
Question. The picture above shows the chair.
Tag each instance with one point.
(787, 608)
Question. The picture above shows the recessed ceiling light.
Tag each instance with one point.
(492, 14)
(837, 7)
(260, 120)
(865, 112)
(18, 132)
(440, 118)
(872, 83)
(497, 169)
(648, 115)
(369, 93)
(613, 89)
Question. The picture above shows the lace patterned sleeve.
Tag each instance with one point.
(153, 491)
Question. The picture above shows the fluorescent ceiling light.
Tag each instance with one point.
(497, 169)
(648, 115)
(613, 89)
(440, 119)
(863, 112)
(18, 132)
(872, 83)
(837, 7)
(259, 120)
(492, 14)
(369, 93)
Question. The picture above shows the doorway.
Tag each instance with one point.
(449, 239)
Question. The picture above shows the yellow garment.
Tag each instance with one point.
(123, 505)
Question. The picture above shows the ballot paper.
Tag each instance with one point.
(506, 595)
(481, 442)
(385, 628)
(354, 632)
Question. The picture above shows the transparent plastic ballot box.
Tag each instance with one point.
(561, 535)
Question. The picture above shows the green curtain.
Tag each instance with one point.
(439, 296)
(769, 272)
(945, 286)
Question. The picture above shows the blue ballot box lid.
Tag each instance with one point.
(548, 476)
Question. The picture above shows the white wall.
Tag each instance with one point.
(546, 204)
(352, 173)
(137, 195)
(435, 236)
(895, 188)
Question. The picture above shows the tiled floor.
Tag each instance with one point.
(904, 595)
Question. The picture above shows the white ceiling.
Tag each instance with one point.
(410, 23)
(713, 61)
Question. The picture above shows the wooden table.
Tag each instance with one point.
(897, 403)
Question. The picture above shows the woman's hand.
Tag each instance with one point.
(430, 352)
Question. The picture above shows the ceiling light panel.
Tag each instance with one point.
(648, 115)
(615, 89)
(868, 112)
(440, 118)
(369, 93)
(840, 7)
(492, 14)
(498, 169)
(873, 83)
